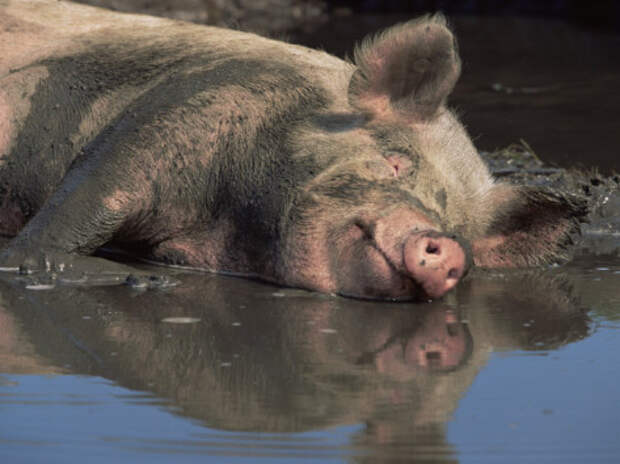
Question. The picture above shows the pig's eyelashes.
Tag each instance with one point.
(401, 165)
(396, 168)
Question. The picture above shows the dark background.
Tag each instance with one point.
(546, 72)
(603, 13)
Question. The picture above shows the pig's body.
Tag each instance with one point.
(226, 151)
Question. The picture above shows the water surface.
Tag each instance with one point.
(516, 366)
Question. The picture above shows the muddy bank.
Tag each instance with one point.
(600, 235)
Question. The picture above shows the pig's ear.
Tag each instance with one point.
(531, 226)
(409, 68)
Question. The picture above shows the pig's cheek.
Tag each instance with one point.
(378, 267)
(376, 274)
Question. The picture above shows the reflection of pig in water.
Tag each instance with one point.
(226, 151)
(254, 362)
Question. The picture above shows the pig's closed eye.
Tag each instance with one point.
(401, 165)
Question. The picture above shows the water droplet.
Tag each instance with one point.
(181, 320)
(40, 286)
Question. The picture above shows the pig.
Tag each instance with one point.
(224, 151)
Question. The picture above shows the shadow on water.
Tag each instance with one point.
(245, 357)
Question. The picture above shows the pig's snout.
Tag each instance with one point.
(435, 262)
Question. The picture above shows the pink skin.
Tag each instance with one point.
(435, 262)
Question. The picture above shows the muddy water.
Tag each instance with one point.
(514, 367)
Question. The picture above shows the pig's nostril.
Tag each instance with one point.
(432, 249)
(433, 359)
(453, 273)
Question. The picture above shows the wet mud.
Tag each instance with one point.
(600, 232)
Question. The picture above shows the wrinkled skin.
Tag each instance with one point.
(225, 151)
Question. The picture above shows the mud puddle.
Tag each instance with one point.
(515, 366)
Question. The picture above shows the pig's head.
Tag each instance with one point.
(398, 203)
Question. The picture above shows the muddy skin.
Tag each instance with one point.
(223, 151)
